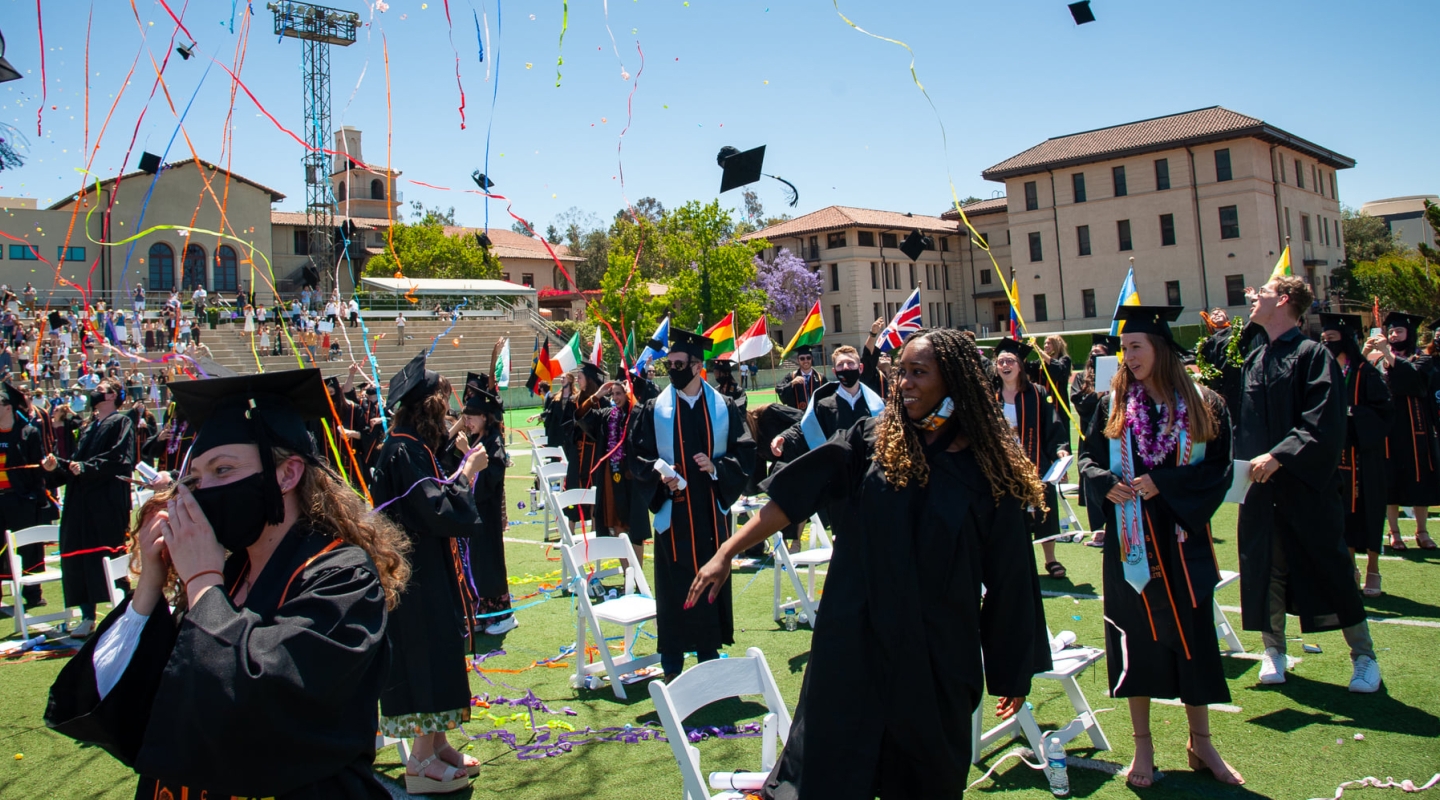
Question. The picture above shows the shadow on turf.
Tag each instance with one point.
(1085, 782)
(1335, 705)
(1391, 605)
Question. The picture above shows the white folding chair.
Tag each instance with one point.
(712, 681)
(42, 535)
(820, 551)
(629, 610)
(584, 500)
(1068, 665)
(551, 477)
(539, 439)
(402, 746)
(116, 568)
(1222, 623)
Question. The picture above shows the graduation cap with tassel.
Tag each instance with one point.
(743, 169)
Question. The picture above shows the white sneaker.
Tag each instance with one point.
(1366, 677)
(1272, 666)
(503, 626)
(87, 627)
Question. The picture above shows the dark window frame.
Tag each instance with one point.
(1042, 311)
(1077, 185)
(1162, 174)
(837, 319)
(1234, 290)
(865, 238)
(834, 277)
(160, 259)
(1032, 196)
(889, 240)
(23, 252)
(1037, 247)
(1223, 169)
(227, 269)
(986, 277)
(1124, 235)
(1082, 239)
(1117, 178)
(1230, 229)
(194, 257)
(1172, 293)
(834, 240)
(1087, 303)
(1167, 230)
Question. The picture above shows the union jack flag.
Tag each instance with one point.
(907, 321)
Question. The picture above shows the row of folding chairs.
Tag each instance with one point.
(48, 536)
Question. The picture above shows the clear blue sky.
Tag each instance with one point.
(838, 110)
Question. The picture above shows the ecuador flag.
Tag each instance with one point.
(812, 330)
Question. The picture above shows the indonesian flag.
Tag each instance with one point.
(755, 343)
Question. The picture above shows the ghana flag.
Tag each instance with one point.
(810, 333)
(722, 334)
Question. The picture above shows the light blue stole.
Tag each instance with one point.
(810, 426)
(665, 436)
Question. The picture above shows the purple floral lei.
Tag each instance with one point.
(1154, 448)
(618, 455)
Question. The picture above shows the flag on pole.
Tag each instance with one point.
(1282, 265)
(755, 343)
(811, 331)
(1129, 296)
(540, 368)
(567, 357)
(657, 347)
(630, 346)
(906, 322)
(596, 355)
(502, 368)
(722, 335)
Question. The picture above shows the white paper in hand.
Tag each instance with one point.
(1240, 485)
(667, 472)
(1058, 470)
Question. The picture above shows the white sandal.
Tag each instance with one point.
(1372, 585)
(455, 778)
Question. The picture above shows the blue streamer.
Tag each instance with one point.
(446, 332)
(479, 38)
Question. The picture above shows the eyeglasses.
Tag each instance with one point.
(678, 364)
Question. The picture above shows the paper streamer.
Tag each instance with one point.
(450, 28)
(44, 89)
(1389, 783)
(564, 25)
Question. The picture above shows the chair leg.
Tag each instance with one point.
(1227, 633)
(1085, 713)
(779, 542)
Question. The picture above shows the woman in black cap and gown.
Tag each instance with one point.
(482, 425)
(1084, 399)
(263, 681)
(1413, 448)
(1043, 438)
(427, 692)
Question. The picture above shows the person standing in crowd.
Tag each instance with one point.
(1292, 540)
(348, 425)
(137, 301)
(938, 488)
(693, 454)
(1362, 462)
(283, 639)
(1054, 360)
(354, 309)
(427, 691)
(1042, 436)
(1084, 399)
(1413, 447)
(22, 485)
(725, 382)
(796, 388)
(1223, 352)
(578, 399)
(400, 329)
(870, 359)
(481, 425)
(744, 377)
(1158, 452)
(618, 511)
(97, 506)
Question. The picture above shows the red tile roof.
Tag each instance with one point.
(275, 196)
(1204, 125)
(509, 244)
(994, 205)
(840, 217)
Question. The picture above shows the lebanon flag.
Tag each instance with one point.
(755, 343)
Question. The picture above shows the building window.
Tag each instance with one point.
(1172, 293)
(1315, 179)
(1162, 174)
(1035, 252)
(1324, 232)
(162, 266)
(1234, 290)
(1122, 228)
(1287, 220)
(1041, 315)
(1333, 196)
(1167, 230)
(1222, 164)
(834, 240)
(1078, 182)
(874, 279)
(1032, 196)
(301, 238)
(340, 191)
(889, 240)
(885, 268)
(877, 311)
(1087, 302)
(1229, 222)
(1337, 232)
(527, 279)
(944, 244)
(949, 315)
(23, 252)
(985, 276)
(377, 189)
(1283, 178)
(945, 273)
(194, 267)
(1118, 174)
(912, 283)
(835, 315)
(895, 274)
(226, 269)
(867, 238)
(63, 253)
(834, 277)
(985, 238)
(1305, 227)
(1299, 174)
(1082, 237)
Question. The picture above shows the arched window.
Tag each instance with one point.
(194, 274)
(162, 267)
(340, 191)
(225, 269)
(377, 189)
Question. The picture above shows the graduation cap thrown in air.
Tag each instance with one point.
(1110, 343)
(1081, 12)
(916, 243)
(268, 410)
(483, 239)
(1151, 319)
(186, 50)
(1021, 349)
(149, 163)
(412, 382)
(1344, 324)
(743, 169)
(7, 72)
(483, 182)
(690, 343)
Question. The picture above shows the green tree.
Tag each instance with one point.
(1432, 216)
(432, 216)
(424, 251)
(1366, 238)
(1402, 281)
(710, 271)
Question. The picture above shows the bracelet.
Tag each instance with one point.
(203, 572)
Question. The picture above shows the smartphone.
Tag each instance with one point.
(1376, 332)
(147, 472)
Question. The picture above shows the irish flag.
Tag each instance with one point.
(755, 343)
(722, 337)
(566, 358)
(811, 331)
(1282, 266)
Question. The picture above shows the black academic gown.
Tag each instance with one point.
(275, 698)
(486, 547)
(348, 416)
(902, 622)
(619, 508)
(1294, 408)
(584, 451)
(799, 396)
(833, 414)
(1083, 405)
(1362, 463)
(870, 374)
(1411, 449)
(771, 421)
(1060, 370)
(1042, 436)
(22, 496)
(97, 508)
(428, 628)
(699, 525)
(1163, 644)
(1229, 385)
(168, 455)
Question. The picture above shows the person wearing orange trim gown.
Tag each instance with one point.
(1413, 449)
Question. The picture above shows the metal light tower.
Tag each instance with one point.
(318, 27)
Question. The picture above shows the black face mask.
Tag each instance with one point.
(1335, 348)
(848, 377)
(95, 398)
(680, 378)
(236, 511)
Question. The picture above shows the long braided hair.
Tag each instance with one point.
(898, 448)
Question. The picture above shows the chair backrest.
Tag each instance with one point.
(552, 471)
(115, 569)
(819, 537)
(539, 439)
(604, 548)
(710, 682)
(542, 453)
(573, 498)
(37, 534)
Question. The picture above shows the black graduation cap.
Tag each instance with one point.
(723, 366)
(186, 50)
(1435, 326)
(916, 243)
(14, 396)
(478, 397)
(1150, 319)
(7, 72)
(1021, 349)
(690, 343)
(483, 182)
(483, 239)
(149, 162)
(56, 321)
(1344, 324)
(413, 381)
(743, 169)
(594, 372)
(332, 385)
(1105, 340)
(1399, 319)
(1081, 12)
(803, 351)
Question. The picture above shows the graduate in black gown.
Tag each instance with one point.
(1042, 434)
(263, 681)
(619, 508)
(1158, 453)
(347, 429)
(701, 435)
(796, 388)
(577, 400)
(1412, 451)
(938, 490)
(767, 423)
(165, 451)
(1084, 400)
(1223, 355)
(22, 485)
(725, 382)
(482, 424)
(1362, 462)
(427, 691)
(97, 504)
(1292, 541)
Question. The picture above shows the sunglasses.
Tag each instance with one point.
(678, 364)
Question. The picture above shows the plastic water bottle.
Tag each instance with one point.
(1059, 778)
(791, 622)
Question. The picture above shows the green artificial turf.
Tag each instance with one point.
(1297, 740)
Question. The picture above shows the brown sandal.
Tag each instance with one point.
(1056, 569)
(1141, 780)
